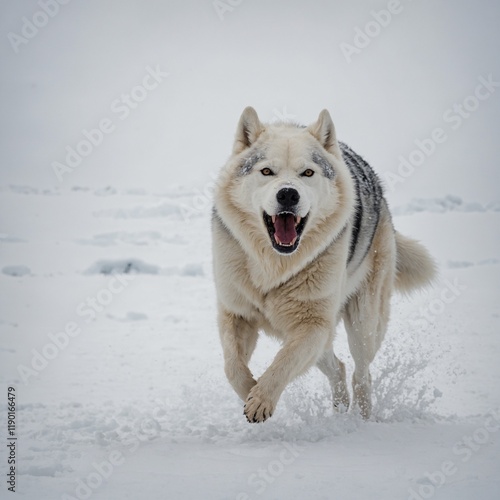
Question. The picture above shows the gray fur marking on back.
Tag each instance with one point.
(369, 203)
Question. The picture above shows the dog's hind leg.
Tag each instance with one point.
(366, 316)
(365, 332)
(334, 370)
(367, 313)
(238, 338)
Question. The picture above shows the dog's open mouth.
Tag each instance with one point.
(285, 230)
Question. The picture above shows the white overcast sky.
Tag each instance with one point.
(279, 55)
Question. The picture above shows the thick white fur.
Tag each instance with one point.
(299, 298)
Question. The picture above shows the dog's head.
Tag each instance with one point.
(285, 180)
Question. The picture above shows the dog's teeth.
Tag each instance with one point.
(273, 218)
(285, 244)
(297, 221)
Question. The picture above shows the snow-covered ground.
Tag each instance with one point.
(107, 311)
(109, 339)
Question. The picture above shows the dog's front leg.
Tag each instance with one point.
(301, 350)
(239, 338)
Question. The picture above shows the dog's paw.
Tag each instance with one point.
(341, 407)
(362, 396)
(258, 407)
(341, 400)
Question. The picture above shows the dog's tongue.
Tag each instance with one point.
(284, 227)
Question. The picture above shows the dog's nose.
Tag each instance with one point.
(288, 197)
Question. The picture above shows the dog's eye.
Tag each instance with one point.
(266, 171)
(308, 173)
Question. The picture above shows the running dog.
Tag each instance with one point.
(303, 238)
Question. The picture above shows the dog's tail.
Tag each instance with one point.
(415, 267)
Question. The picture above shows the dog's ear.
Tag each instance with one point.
(248, 131)
(324, 131)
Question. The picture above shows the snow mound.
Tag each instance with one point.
(138, 238)
(163, 209)
(137, 266)
(51, 469)
(135, 192)
(6, 238)
(105, 191)
(448, 203)
(23, 189)
(16, 271)
(130, 316)
(122, 266)
(459, 264)
(192, 270)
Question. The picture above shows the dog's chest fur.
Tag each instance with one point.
(321, 281)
